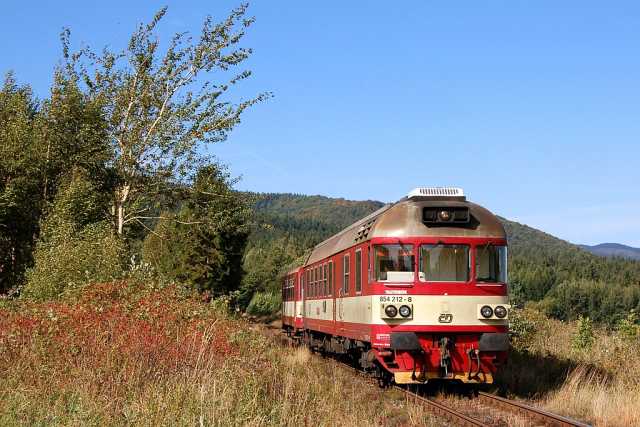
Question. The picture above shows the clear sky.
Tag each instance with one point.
(533, 107)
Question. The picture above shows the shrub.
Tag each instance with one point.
(583, 339)
(523, 326)
(73, 260)
(77, 245)
(628, 328)
(264, 304)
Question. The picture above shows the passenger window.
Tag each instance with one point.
(326, 281)
(330, 277)
(358, 271)
(345, 269)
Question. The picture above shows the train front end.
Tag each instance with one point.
(439, 305)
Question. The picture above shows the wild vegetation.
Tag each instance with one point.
(125, 353)
(575, 368)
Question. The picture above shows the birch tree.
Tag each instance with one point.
(163, 105)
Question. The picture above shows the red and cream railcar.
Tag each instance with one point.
(292, 302)
(417, 290)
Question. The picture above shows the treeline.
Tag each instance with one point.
(567, 281)
(104, 178)
(563, 279)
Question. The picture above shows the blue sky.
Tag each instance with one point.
(532, 107)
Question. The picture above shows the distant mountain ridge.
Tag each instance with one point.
(613, 250)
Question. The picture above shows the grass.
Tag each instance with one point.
(597, 383)
(116, 354)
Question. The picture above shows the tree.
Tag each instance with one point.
(20, 165)
(72, 137)
(205, 242)
(161, 108)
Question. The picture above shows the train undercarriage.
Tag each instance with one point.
(417, 358)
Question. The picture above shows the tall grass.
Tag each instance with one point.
(597, 383)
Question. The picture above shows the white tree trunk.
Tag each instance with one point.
(122, 194)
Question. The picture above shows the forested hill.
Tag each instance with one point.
(567, 280)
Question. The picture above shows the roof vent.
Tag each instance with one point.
(436, 192)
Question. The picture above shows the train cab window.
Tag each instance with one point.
(345, 278)
(444, 263)
(358, 271)
(330, 277)
(394, 263)
(491, 264)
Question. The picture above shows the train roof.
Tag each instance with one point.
(405, 219)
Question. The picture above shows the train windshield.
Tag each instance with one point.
(394, 263)
(491, 264)
(444, 263)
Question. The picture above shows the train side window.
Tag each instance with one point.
(314, 290)
(308, 283)
(358, 271)
(370, 279)
(315, 281)
(345, 279)
(326, 280)
(330, 277)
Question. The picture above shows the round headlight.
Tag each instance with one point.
(391, 311)
(444, 215)
(486, 311)
(405, 311)
(500, 312)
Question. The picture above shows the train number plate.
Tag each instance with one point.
(394, 298)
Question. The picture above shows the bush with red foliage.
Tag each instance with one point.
(110, 338)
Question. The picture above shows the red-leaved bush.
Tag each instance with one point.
(111, 338)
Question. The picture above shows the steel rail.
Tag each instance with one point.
(443, 411)
(529, 412)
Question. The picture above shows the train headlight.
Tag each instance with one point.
(500, 312)
(486, 311)
(391, 311)
(444, 216)
(405, 311)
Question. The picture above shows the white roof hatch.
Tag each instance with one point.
(436, 192)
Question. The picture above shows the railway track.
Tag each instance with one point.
(530, 414)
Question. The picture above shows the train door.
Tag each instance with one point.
(343, 283)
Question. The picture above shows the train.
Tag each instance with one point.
(414, 292)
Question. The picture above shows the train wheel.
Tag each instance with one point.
(383, 376)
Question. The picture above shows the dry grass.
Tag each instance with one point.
(599, 385)
(121, 356)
